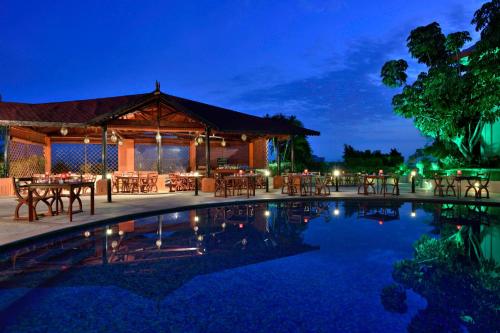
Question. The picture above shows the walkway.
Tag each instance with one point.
(124, 206)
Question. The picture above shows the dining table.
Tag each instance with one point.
(246, 181)
(73, 187)
(377, 182)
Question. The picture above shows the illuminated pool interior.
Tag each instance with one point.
(333, 266)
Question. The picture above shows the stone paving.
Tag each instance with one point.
(124, 206)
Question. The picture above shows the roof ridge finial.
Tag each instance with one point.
(157, 87)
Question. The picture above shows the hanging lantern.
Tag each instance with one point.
(64, 131)
(158, 243)
(244, 137)
(114, 138)
(120, 142)
(86, 140)
(158, 136)
(200, 140)
(196, 142)
(223, 143)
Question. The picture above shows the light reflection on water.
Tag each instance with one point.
(263, 266)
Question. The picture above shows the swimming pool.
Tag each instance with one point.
(323, 266)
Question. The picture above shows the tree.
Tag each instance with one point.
(453, 99)
(302, 148)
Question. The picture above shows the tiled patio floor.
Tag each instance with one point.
(123, 205)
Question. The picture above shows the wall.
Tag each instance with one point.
(490, 140)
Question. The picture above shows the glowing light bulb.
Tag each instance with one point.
(223, 143)
(413, 214)
(200, 238)
(64, 131)
(114, 244)
(196, 219)
(244, 137)
(336, 212)
(86, 140)
(86, 234)
(109, 232)
(196, 228)
(267, 213)
(158, 243)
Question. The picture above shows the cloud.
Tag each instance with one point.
(347, 105)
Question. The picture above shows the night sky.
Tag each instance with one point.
(319, 60)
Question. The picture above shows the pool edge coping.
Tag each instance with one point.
(71, 228)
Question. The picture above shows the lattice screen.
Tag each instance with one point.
(2, 147)
(25, 159)
(173, 158)
(82, 157)
(235, 153)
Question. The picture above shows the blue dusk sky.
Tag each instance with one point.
(317, 59)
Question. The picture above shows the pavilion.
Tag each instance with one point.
(151, 131)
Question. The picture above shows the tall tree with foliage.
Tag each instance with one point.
(455, 97)
(302, 148)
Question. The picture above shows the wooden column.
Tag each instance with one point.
(126, 155)
(47, 154)
(192, 156)
(207, 150)
(6, 141)
(251, 155)
(292, 153)
(158, 155)
(104, 151)
(278, 159)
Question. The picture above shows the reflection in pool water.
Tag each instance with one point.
(284, 266)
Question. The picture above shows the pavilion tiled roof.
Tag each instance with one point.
(99, 110)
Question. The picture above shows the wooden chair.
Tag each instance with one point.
(438, 185)
(450, 185)
(321, 185)
(392, 181)
(152, 182)
(22, 197)
(483, 181)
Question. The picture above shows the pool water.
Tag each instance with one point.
(302, 266)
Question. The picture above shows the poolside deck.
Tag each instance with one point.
(124, 206)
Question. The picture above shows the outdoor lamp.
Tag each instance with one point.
(121, 232)
(158, 136)
(195, 228)
(267, 213)
(196, 142)
(113, 137)
(413, 214)
(108, 186)
(413, 174)
(336, 174)
(336, 212)
(86, 234)
(223, 143)
(267, 173)
(196, 218)
(223, 225)
(200, 140)
(120, 142)
(86, 140)
(64, 131)
(200, 238)
(109, 231)
(196, 187)
(158, 243)
(244, 137)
